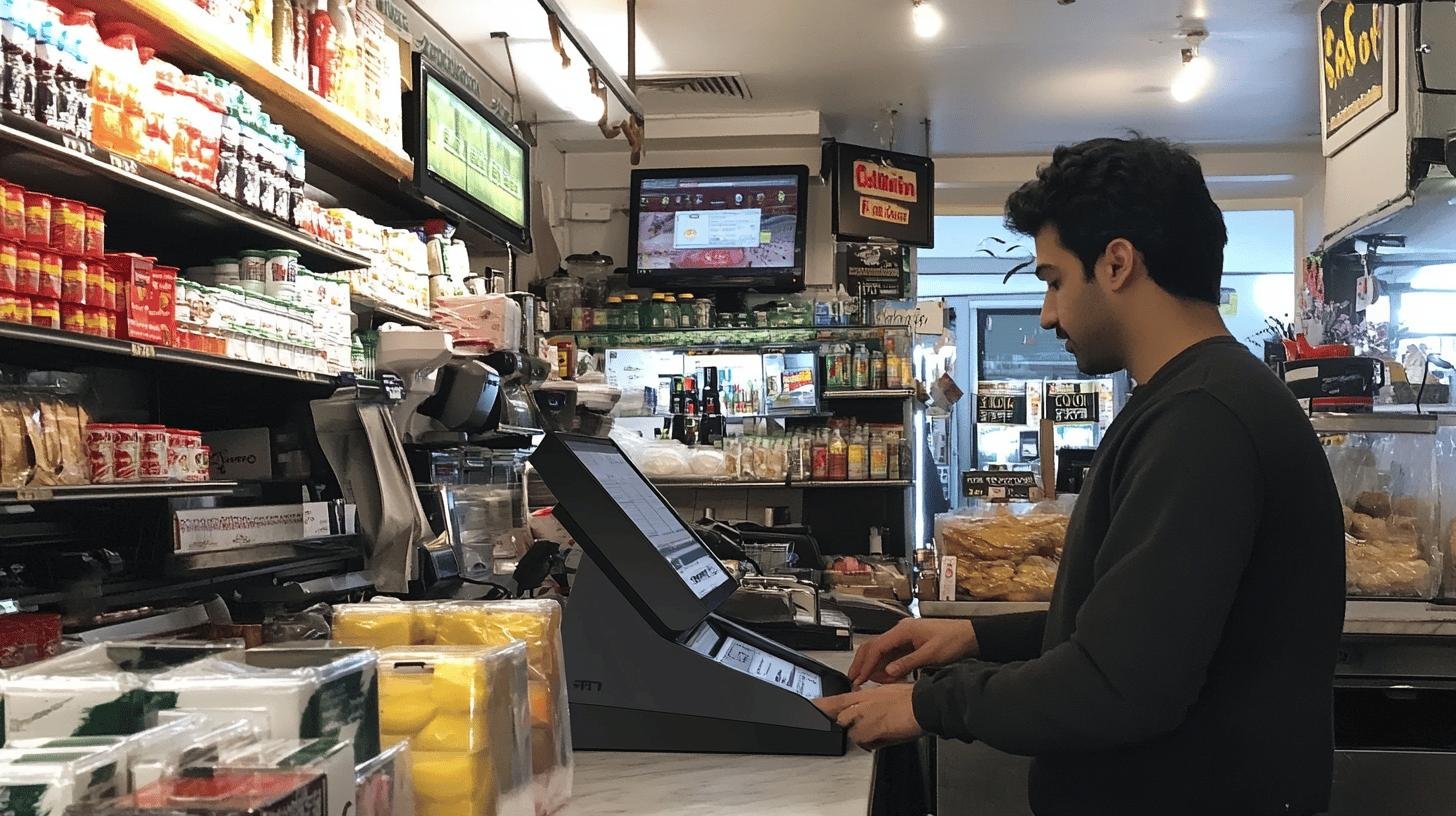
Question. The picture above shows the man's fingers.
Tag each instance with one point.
(901, 667)
(832, 706)
(870, 656)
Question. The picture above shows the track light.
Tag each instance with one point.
(926, 19)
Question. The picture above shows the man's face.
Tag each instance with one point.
(1077, 308)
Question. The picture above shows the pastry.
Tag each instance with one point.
(1366, 527)
(1408, 506)
(1373, 503)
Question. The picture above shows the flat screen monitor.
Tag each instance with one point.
(468, 160)
(724, 227)
(631, 532)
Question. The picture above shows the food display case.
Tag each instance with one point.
(1385, 469)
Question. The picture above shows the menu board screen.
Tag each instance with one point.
(473, 156)
(729, 222)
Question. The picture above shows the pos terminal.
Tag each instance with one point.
(649, 666)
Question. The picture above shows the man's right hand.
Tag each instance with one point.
(910, 645)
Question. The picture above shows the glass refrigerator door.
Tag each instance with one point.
(740, 380)
(645, 377)
(789, 386)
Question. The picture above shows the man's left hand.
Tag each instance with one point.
(875, 717)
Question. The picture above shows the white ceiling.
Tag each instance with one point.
(1005, 76)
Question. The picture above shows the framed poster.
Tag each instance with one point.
(873, 270)
(1359, 74)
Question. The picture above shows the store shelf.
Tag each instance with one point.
(27, 343)
(109, 492)
(185, 34)
(705, 485)
(871, 393)
(368, 306)
(147, 210)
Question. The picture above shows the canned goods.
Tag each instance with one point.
(12, 211)
(95, 232)
(37, 218)
(178, 462)
(22, 308)
(111, 321)
(73, 279)
(7, 307)
(96, 284)
(7, 266)
(152, 453)
(282, 272)
(110, 283)
(68, 226)
(45, 313)
(73, 318)
(96, 321)
(252, 270)
(126, 451)
(101, 445)
(202, 462)
(49, 283)
(27, 271)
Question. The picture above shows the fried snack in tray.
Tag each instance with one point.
(1004, 554)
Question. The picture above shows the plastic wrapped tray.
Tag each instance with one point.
(306, 693)
(95, 690)
(1004, 552)
(45, 781)
(537, 622)
(383, 786)
(463, 711)
(221, 792)
(332, 758)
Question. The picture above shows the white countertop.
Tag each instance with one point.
(613, 784)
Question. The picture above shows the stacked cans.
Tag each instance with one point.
(124, 453)
(51, 269)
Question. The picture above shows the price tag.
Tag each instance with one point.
(34, 494)
(78, 145)
(123, 164)
(307, 376)
(392, 386)
(947, 577)
(143, 350)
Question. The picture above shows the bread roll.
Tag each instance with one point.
(1373, 503)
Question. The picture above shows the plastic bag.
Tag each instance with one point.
(1005, 552)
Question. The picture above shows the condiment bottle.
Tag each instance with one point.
(819, 457)
(860, 370)
(671, 314)
(838, 457)
(879, 457)
(323, 50)
(858, 464)
(877, 369)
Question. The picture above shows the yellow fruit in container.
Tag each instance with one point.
(452, 731)
(444, 777)
(359, 625)
(422, 623)
(405, 715)
(459, 687)
(539, 697)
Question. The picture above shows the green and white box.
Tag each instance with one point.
(96, 690)
(333, 758)
(308, 693)
(165, 749)
(45, 781)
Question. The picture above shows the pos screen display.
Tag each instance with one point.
(631, 532)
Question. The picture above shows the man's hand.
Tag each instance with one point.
(910, 645)
(875, 717)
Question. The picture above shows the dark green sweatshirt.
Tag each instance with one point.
(1186, 662)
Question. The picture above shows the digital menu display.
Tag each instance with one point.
(657, 522)
(729, 222)
(737, 655)
(473, 156)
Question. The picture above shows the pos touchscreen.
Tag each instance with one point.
(631, 532)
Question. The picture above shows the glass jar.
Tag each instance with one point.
(687, 311)
(631, 314)
(614, 313)
(671, 314)
(563, 295)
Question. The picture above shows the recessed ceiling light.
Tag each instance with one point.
(926, 19)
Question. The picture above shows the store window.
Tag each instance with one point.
(1419, 311)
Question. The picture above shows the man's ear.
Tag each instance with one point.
(1119, 263)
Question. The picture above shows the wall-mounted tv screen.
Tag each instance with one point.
(723, 227)
(468, 160)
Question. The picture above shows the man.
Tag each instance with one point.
(1185, 663)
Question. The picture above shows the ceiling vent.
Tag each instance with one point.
(709, 84)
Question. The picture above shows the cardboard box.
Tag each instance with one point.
(146, 309)
(242, 454)
(234, 528)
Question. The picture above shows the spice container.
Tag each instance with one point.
(95, 285)
(37, 218)
(73, 318)
(152, 453)
(12, 211)
(95, 232)
(98, 321)
(48, 285)
(27, 271)
(252, 270)
(21, 304)
(110, 286)
(8, 262)
(45, 313)
(73, 280)
(126, 451)
(68, 226)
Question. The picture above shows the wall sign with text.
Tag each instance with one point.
(873, 270)
(998, 407)
(1358, 69)
(880, 195)
(1067, 403)
(1000, 485)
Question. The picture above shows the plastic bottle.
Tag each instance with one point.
(877, 369)
(860, 368)
(344, 90)
(859, 456)
(879, 457)
(47, 57)
(323, 50)
(819, 456)
(838, 458)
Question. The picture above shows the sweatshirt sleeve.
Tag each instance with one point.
(1184, 515)
(1007, 638)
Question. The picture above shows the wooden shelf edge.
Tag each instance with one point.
(184, 33)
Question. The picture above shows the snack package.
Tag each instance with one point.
(383, 786)
(221, 792)
(45, 781)
(1388, 484)
(332, 758)
(305, 693)
(28, 637)
(1005, 552)
(96, 690)
(463, 711)
(537, 622)
(16, 464)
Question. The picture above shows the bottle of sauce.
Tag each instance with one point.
(345, 83)
(47, 55)
(838, 458)
(860, 368)
(879, 458)
(819, 457)
(323, 50)
(877, 369)
(859, 457)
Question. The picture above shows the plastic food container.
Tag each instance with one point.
(45, 781)
(282, 272)
(95, 232)
(73, 280)
(305, 693)
(463, 711)
(73, 318)
(45, 313)
(8, 263)
(220, 792)
(94, 690)
(96, 285)
(252, 270)
(332, 758)
(101, 446)
(37, 218)
(383, 785)
(12, 211)
(127, 444)
(1004, 552)
(152, 450)
(68, 226)
(27, 271)
(48, 285)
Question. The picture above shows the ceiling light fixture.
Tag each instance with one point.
(926, 19)
(1196, 71)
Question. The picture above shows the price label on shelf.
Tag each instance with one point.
(143, 350)
(123, 164)
(78, 145)
(306, 376)
(32, 494)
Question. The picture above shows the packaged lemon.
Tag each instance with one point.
(463, 710)
(379, 625)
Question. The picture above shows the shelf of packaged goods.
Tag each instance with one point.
(148, 210)
(871, 393)
(109, 492)
(23, 344)
(857, 483)
(365, 305)
(185, 35)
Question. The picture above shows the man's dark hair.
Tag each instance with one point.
(1147, 191)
